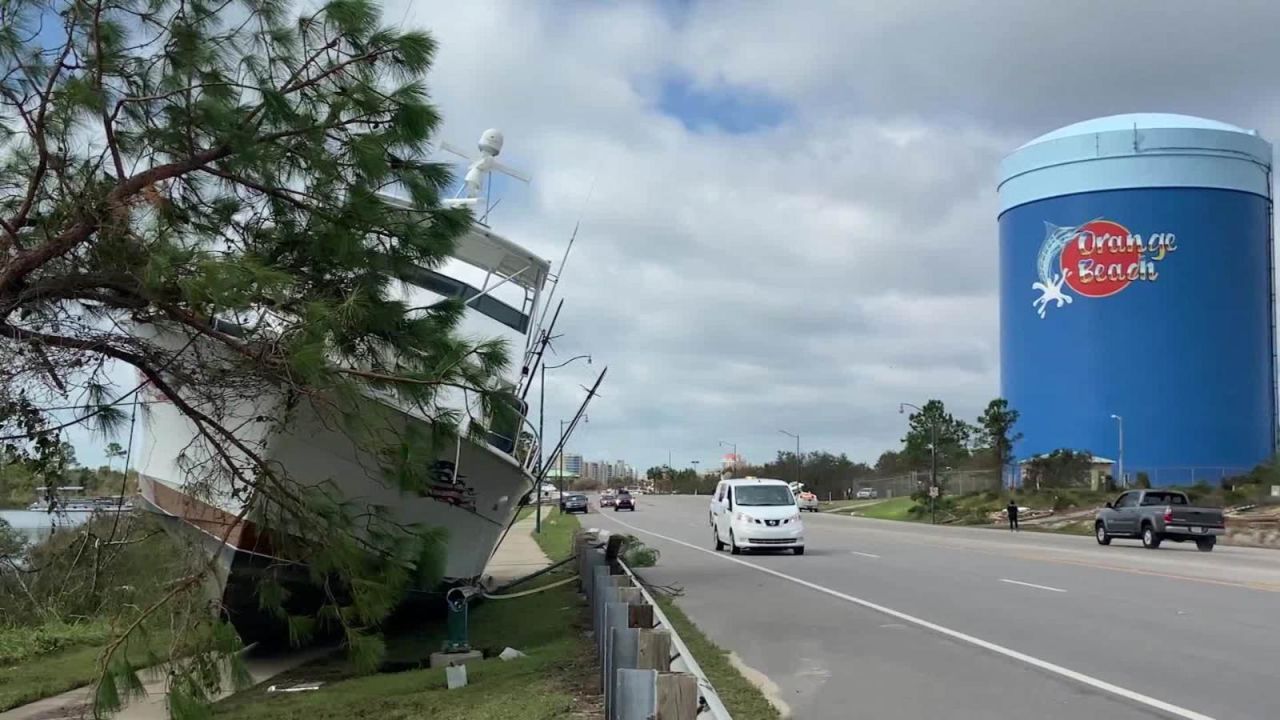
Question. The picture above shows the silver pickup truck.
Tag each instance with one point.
(1158, 515)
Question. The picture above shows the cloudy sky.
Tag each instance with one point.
(791, 222)
(793, 217)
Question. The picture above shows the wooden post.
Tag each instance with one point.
(640, 616)
(677, 697)
(629, 593)
(653, 650)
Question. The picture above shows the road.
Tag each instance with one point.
(887, 619)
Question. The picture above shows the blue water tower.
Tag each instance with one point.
(1137, 290)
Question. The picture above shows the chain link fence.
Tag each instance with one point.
(1184, 476)
(953, 482)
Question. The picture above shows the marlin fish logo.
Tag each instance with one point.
(1050, 283)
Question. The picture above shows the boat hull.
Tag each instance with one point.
(473, 496)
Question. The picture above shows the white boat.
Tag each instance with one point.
(478, 482)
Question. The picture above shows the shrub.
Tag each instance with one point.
(638, 555)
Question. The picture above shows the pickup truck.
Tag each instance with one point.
(807, 501)
(1158, 515)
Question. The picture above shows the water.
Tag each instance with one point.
(37, 526)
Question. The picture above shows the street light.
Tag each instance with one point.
(1120, 461)
(933, 459)
(542, 407)
(797, 437)
(697, 479)
(735, 453)
(560, 457)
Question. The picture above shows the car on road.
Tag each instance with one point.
(607, 499)
(807, 501)
(624, 502)
(1158, 515)
(572, 503)
(756, 513)
(866, 494)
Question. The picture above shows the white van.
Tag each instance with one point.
(755, 513)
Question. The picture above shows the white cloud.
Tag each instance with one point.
(812, 275)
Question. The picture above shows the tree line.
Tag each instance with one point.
(986, 444)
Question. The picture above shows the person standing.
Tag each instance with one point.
(1012, 511)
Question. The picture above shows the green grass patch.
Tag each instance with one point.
(895, 509)
(20, 644)
(549, 683)
(556, 538)
(70, 662)
(743, 700)
(840, 506)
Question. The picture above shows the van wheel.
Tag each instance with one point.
(1206, 544)
(733, 545)
(1150, 538)
(716, 535)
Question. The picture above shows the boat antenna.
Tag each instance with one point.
(568, 248)
(534, 356)
(479, 179)
(582, 409)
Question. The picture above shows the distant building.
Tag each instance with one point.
(572, 464)
(1100, 468)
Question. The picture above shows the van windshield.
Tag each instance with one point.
(763, 495)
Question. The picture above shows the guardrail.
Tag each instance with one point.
(647, 672)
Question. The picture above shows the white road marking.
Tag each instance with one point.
(855, 552)
(1035, 662)
(1031, 585)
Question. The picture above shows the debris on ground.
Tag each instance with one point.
(298, 687)
(456, 676)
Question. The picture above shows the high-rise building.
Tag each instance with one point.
(573, 464)
(621, 470)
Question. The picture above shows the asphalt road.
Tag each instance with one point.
(881, 619)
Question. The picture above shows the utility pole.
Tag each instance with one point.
(933, 460)
(542, 408)
(1120, 460)
(735, 454)
(797, 437)
(933, 476)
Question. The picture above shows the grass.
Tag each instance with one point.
(844, 505)
(743, 700)
(547, 684)
(71, 663)
(895, 509)
(556, 538)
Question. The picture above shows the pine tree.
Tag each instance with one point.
(953, 436)
(192, 188)
(996, 429)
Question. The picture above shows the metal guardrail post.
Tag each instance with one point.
(636, 660)
(637, 695)
(683, 660)
(622, 654)
(610, 595)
